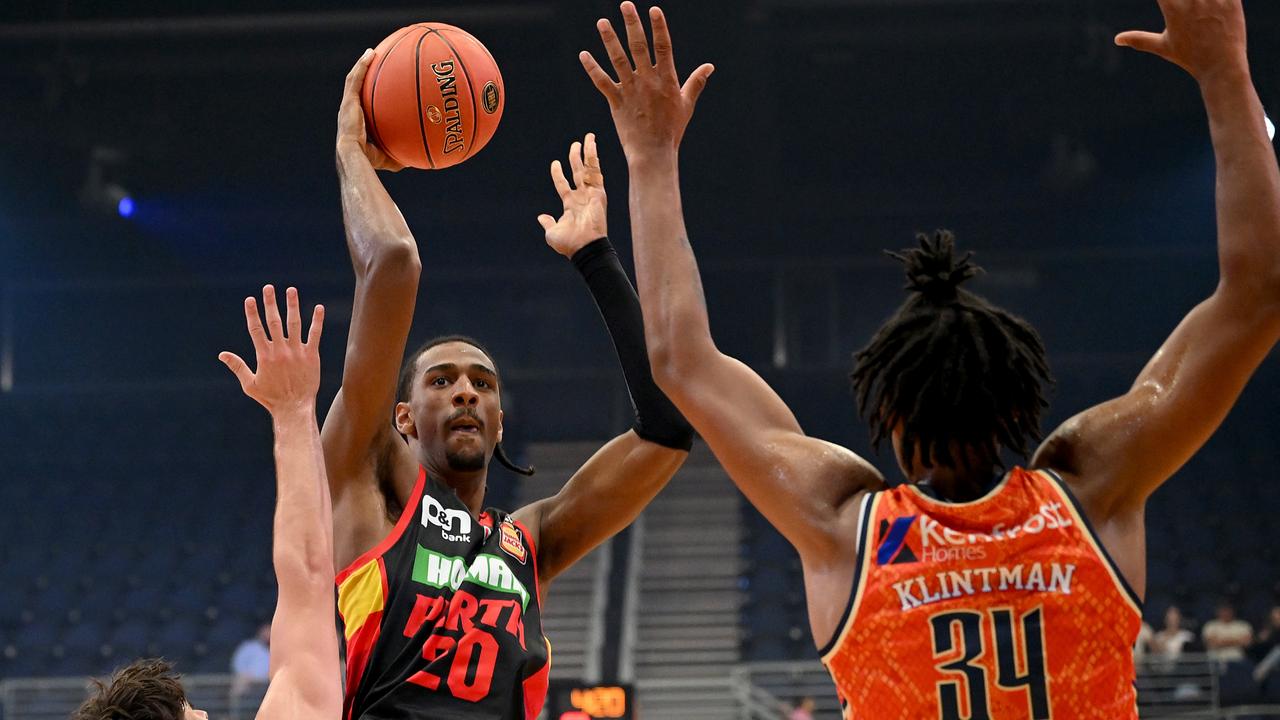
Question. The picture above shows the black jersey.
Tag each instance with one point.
(443, 618)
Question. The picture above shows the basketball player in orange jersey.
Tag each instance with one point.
(965, 593)
(304, 675)
(441, 598)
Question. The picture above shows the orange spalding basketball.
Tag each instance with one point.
(433, 96)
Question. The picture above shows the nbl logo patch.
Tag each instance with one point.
(898, 542)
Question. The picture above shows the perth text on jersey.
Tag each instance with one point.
(460, 626)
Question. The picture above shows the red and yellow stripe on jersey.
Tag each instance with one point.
(1007, 607)
(362, 595)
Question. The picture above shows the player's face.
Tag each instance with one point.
(456, 406)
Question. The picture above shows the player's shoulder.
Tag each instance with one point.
(831, 461)
(528, 517)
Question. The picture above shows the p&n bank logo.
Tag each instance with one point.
(455, 525)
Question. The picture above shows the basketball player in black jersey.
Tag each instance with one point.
(304, 674)
(439, 597)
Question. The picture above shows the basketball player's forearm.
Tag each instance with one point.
(1248, 182)
(377, 235)
(675, 311)
(302, 549)
(656, 419)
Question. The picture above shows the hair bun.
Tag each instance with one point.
(932, 269)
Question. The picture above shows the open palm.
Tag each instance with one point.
(585, 216)
(288, 369)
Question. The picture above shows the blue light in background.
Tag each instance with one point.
(125, 207)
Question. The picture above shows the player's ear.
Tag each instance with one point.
(499, 426)
(404, 420)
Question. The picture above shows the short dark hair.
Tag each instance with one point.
(405, 386)
(148, 689)
(951, 367)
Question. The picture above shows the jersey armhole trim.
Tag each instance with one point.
(1076, 510)
(406, 516)
(533, 557)
(865, 516)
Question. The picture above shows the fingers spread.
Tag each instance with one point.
(697, 82)
(254, 323)
(1143, 41)
(636, 38)
(546, 221)
(575, 163)
(561, 183)
(663, 53)
(591, 156)
(317, 326)
(274, 325)
(587, 172)
(613, 48)
(238, 368)
(599, 77)
(293, 316)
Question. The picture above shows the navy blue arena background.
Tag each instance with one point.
(136, 482)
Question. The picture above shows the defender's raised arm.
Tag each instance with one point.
(804, 486)
(1119, 452)
(304, 645)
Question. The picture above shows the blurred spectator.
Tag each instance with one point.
(1266, 647)
(1226, 636)
(1143, 645)
(251, 665)
(252, 659)
(1169, 642)
(803, 711)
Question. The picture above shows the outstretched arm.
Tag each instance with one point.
(1118, 453)
(615, 485)
(357, 432)
(305, 677)
(804, 486)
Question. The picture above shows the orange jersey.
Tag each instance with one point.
(1006, 607)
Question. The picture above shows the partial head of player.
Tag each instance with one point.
(449, 401)
(145, 689)
(950, 378)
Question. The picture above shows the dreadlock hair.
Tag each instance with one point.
(146, 690)
(953, 369)
(405, 385)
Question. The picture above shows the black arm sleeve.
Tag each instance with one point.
(657, 420)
